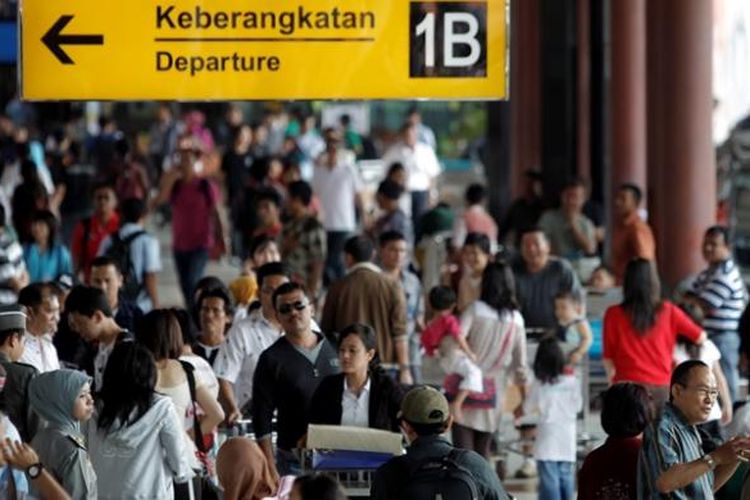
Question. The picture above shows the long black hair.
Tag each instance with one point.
(128, 386)
(641, 294)
(549, 361)
(499, 287)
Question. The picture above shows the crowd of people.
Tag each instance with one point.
(385, 308)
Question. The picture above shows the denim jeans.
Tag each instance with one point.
(728, 344)
(287, 463)
(335, 267)
(555, 479)
(190, 266)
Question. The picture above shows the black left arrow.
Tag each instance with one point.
(54, 38)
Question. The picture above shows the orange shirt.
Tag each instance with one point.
(631, 238)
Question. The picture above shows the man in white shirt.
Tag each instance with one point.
(338, 186)
(238, 355)
(43, 314)
(422, 169)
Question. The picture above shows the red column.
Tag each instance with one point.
(583, 115)
(628, 93)
(525, 90)
(682, 157)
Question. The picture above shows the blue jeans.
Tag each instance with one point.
(287, 463)
(728, 344)
(190, 266)
(335, 267)
(555, 480)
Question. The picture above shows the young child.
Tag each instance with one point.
(555, 396)
(63, 399)
(574, 331)
(443, 335)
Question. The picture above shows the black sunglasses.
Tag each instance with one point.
(297, 306)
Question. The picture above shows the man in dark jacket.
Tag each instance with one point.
(425, 416)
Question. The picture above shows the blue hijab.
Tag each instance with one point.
(52, 396)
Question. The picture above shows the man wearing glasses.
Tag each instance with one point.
(672, 460)
(287, 375)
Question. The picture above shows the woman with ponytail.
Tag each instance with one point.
(362, 395)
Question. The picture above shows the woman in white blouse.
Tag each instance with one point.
(362, 395)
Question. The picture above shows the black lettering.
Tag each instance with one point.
(163, 61)
(321, 20)
(213, 64)
(162, 16)
(180, 63)
(202, 18)
(273, 63)
(185, 20)
(335, 16)
(221, 20)
(271, 16)
(286, 23)
(251, 21)
(350, 20)
(303, 18)
(366, 18)
(235, 18)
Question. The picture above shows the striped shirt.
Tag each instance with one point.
(721, 287)
(11, 266)
(669, 441)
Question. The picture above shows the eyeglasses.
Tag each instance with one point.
(705, 392)
(297, 306)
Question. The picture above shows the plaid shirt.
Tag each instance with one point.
(303, 242)
(666, 442)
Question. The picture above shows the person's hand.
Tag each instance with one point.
(733, 450)
(518, 411)
(575, 357)
(404, 377)
(233, 415)
(19, 455)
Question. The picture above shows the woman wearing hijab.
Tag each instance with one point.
(63, 399)
(244, 473)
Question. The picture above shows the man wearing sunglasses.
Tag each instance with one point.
(287, 375)
(672, 460)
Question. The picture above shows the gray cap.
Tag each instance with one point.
(12, 318)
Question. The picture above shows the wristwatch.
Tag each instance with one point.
(35, 470)
(709, 461)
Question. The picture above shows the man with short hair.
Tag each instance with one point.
(539, 278)
(571, 234)
(303, 239)
(43, 314)
(14, 398)
(287, 375)
(631, 236)
(394, 259)
(91, 231)
(237, 360)
(105, 274)
(143, 247)
(672, 462)
(267, 208)
(720, 293)
(366, 295)
(89, 314)
(425, 417)
(393, 218)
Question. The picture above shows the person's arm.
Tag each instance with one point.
(584, 330)
(585, 239)
(464, 345)
(609, 370)
(724, 398)
(644, 244)
(22, 456)
(264, 405)
(213, 412)
(168, 180)
(172, 440)
(401, 346)
(398, 332)
(680, 475)
(151, 285)
(226, 398)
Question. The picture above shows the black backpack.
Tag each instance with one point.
(440, 478)
(119, 251)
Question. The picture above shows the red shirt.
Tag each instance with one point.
(610, 472)
(645, 358)
(437, 330)
(97, 233)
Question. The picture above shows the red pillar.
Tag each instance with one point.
(583, 115)
(628, 94)
(525, 91)
(681, 158)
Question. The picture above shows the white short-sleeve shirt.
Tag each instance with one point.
(336, 189)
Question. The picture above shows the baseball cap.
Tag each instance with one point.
(424, 405)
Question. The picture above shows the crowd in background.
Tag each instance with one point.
(346, 295)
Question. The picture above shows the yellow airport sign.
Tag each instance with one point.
(263, 49)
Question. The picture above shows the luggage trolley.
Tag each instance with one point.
(350, 454)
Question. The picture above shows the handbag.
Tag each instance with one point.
(203, 487)
(485, 400)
